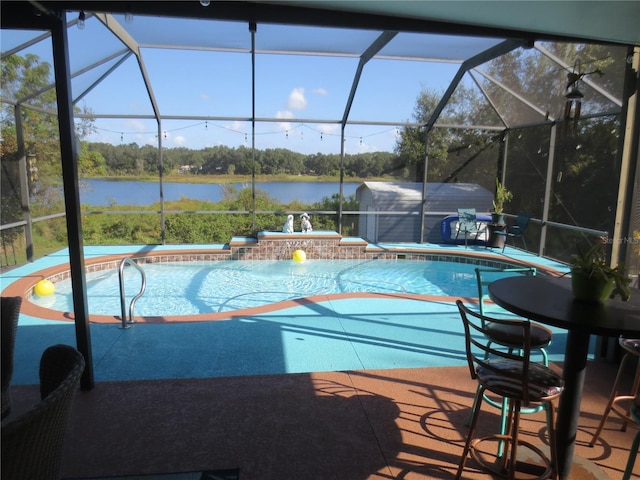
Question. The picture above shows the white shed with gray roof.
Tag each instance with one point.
(402, 201)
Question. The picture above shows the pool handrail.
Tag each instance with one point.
(129, 261)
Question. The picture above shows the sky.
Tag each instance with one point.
(303, 94)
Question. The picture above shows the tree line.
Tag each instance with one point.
(104, 159)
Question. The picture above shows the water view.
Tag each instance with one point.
(107, 192)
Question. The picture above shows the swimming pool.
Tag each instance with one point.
(189, 288)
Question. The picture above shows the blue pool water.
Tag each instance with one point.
(187, 288)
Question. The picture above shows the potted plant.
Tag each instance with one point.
(497, 228)
(593, 280)
(502, 196)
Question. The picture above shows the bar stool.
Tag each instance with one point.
(632, 347)
(634, 411)
(512, 375)
(506, 336)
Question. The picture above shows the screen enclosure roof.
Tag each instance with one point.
(327, 63)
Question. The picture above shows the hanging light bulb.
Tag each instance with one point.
(204, 3)
(81, 17)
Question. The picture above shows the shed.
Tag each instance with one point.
(403, 199)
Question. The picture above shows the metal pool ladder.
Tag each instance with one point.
(128, 261)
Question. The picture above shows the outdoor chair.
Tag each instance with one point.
(506, 336)
(467, 223)
(32, 443)
(541, 336)
(517, 230)
(631, 346)
(509, 374)
(10, 314)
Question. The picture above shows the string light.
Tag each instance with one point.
(274, 132)
(81, 19)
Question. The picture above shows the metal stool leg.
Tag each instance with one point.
(632, 457)
(634, 415)
(615, 398)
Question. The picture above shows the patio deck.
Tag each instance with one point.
(335, 389)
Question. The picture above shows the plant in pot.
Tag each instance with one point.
(593, 280)
(502, 196)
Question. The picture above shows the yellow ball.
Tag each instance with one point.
(44, 288)
(299, 256)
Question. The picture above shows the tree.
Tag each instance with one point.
(21, 78)
(445, 145)
(26, 84)
(91, 163)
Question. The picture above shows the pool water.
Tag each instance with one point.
(187, 288)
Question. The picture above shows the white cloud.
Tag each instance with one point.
(238, 126)
(204, 96)
(296, 100)
(320, 91)
(354, 146)
(328, 128)
(284, 114)
(133, 125)
(179, 140)
(139, 107)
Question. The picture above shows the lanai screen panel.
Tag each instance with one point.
(389, 89)
(278, 38)
(185, 33)
(436, 48)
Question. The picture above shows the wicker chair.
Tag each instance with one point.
(32, 443)
(10, 313)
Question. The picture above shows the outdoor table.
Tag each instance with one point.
(549, 300)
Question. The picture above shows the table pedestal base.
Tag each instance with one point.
(532, 461)
(582, 468)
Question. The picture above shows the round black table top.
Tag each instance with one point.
(549, 300)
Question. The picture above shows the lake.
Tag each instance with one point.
(107, 192)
